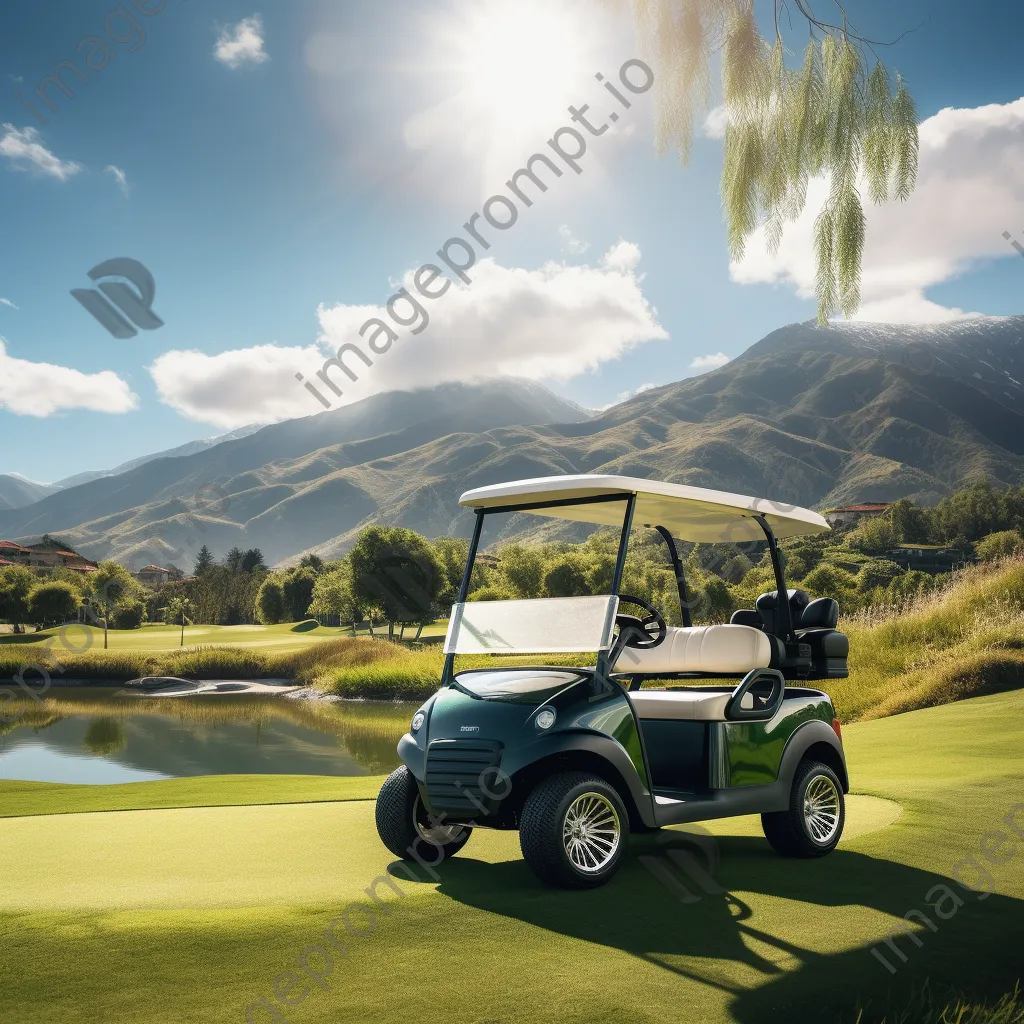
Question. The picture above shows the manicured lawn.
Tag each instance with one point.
(280, 639)
(190, 914)
(19, 799)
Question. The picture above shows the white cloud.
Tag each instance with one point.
(23, 148)
(7, 302)
(555, 322)
(242, 43)
(970, 190)
(235, 388)
(42, 389)
(622, 257)
(570, 243)
(715, 123)
(625, 396)
(709, 362)
(119, 176)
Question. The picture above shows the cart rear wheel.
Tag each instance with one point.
(574, 830)
(406, 828)
(814, 822)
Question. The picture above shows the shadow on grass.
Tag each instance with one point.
(715, 938)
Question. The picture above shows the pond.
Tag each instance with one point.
(91, 735)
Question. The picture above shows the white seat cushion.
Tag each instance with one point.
(680, 705)
(731, 649)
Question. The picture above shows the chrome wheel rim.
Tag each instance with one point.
(821, 809)
(436, 835)
(591, 832)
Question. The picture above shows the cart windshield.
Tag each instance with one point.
(553, 625)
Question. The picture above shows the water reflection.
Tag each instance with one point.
(91, 735)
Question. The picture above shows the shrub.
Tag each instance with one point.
(999, 545)
(129, 616)
(492, 593)
(828, 580)
(877, 573)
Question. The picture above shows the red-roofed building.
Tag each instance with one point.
(14, 552)
(854, 513)
(153, 576)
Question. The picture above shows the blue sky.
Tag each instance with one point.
(282, 168)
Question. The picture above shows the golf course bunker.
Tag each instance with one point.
(172, 686)
(864, 814)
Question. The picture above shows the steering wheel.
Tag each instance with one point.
(642, 632)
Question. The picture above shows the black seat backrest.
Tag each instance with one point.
(747, 617)
(767, 606)
(820, 614)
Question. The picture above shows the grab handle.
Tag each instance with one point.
(758, 707)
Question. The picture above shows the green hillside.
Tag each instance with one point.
(810, 415)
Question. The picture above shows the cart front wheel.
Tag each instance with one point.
(407, 829)
(574, 830)
(814, 822)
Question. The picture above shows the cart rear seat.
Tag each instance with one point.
(728, 649)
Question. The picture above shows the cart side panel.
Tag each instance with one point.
(752, 751)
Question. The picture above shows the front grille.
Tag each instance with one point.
(459, 781)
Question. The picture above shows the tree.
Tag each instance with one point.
(252, 561)
(396, 570)
(16, 582)
(177, 611)
(53, 603)
(522, 569)
(270, 603)
(298, 593)
(909, 522)
(332, 596)
(568, 576)
(113, 586)
(832, 117)
(451, 553)
(311, 561)
(874, 536)
(234, 559)
(203, 561)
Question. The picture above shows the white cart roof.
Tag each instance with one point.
(689, 513)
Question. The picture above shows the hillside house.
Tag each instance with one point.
(153, 576)
(849, 514)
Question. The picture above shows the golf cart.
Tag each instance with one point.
(576, 758)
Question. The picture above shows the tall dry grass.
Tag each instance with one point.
(961, 641)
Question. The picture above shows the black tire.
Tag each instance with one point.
(543, 822)
(404, 826)
(790, 832)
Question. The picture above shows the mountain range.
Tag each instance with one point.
(816, 416)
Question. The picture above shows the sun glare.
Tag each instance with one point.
(521, 61)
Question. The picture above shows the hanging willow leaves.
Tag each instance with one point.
(830, 117)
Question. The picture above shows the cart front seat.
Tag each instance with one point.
(730, 649)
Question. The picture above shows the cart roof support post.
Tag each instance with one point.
(783, 613)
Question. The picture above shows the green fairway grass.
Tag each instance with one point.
(19, 799)
(194, 914)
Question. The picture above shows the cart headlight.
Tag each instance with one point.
(417, 720)
(545, 719)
